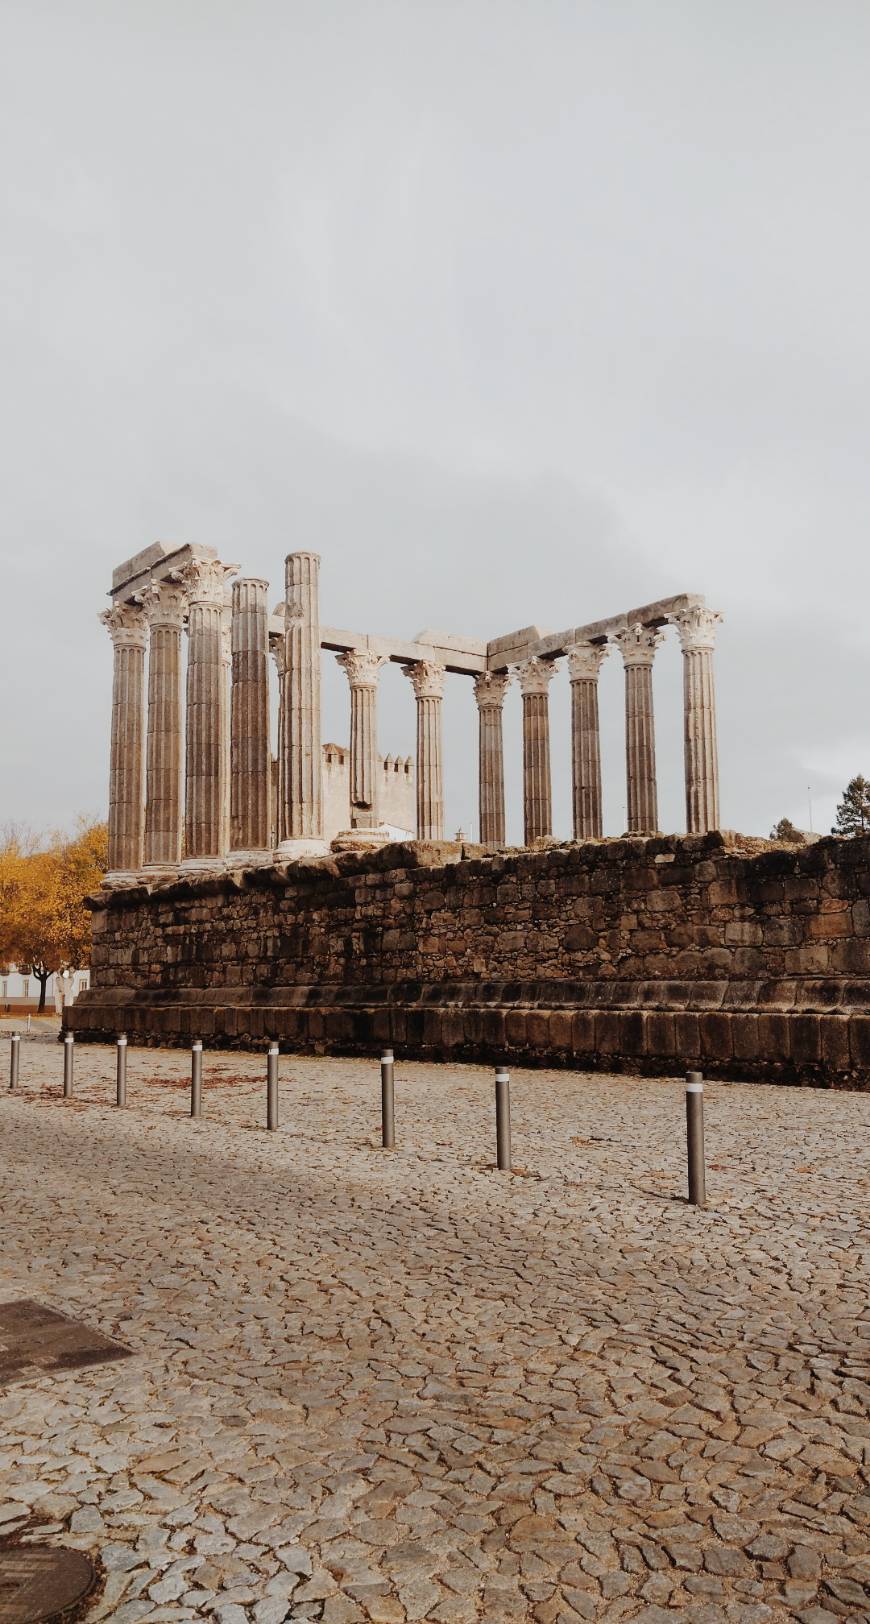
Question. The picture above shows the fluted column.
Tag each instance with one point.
(278, 651)
(427, 679)
(205, 761)
(226, 716)
(584, 665)
(490, 688)
(638, 644)
(128, 629)
(361, 668)
(165, 603)
(302, 788)
(697, 631)
(250, 758)
(535, 677)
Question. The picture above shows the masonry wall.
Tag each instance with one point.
(655, 954)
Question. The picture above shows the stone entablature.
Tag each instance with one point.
(653, 954)
(207, 792)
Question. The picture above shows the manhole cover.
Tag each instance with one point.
(39, 1582)
(37, 1341)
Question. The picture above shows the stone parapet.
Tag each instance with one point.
(644, 954)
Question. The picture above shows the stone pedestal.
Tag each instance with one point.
(638, 644)
(584, 665)
(697, 632)
(427, 679)
(301, 789)
(250, 758)
(361, 669)
(206, 766)
(128, 629)
(489, 691)
(535, 677)
(165, 604)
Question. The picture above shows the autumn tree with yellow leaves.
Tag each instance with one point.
(44, 925)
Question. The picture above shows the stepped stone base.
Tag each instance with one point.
(654, 955)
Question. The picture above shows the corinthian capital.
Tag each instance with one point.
(426, 678)
(126, 625)
(535, 675)
(696, 627)
(361, 667)
(206, 578)
(490, 688)
(585, 660)
(165, 603)
(638, 643)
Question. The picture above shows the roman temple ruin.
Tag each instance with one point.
(237, 909)
(204, 793)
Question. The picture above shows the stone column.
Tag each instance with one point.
(427, 678)
(584, 665)
(277, 650)
(638, 644)
(697, 631)
(128, 629)
(361, 668)
(490, 688)
(165, 603)
(250, 757)
(226, 714)
(206, 762)
(535, 677)
(302, 787)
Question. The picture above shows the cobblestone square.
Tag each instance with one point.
(391, 1386)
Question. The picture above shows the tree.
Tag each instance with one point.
(853, 812)
(44, 925)
(786, 831)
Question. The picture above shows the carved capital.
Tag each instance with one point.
(490, 688)
(426, 678)
(638, 643)
(206, 578)
(278, 651)
(165, 604)
(361, 667)
(126, 624)
(696, 627)
(535, 675)
(585, 661)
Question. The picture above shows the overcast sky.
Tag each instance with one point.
(515, 312)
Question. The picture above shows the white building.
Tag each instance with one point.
(19, 992)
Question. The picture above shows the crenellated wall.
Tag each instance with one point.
(653, 954)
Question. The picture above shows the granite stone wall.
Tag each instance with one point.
(649, 954)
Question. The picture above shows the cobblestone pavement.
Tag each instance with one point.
(386, 1386)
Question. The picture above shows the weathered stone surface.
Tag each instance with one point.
(657, 952)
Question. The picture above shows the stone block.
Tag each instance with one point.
(806, 1041)
(583, 1033)
(834, 1041)
(515, 1028)
(774, 1037)
(859, 1041)
(608, 1032)
(560, 1025)
(687, 1036)
(715, 1033)
(659, 1034)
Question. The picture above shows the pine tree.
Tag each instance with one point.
(785, 830)
(853, 812)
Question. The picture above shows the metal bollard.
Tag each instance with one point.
(121, 1092)
(13, 1060)
(68, 1046)
(388, 1102)
(695, 1138)
(272, 1087)
(196, 1079)
(503, 1120)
